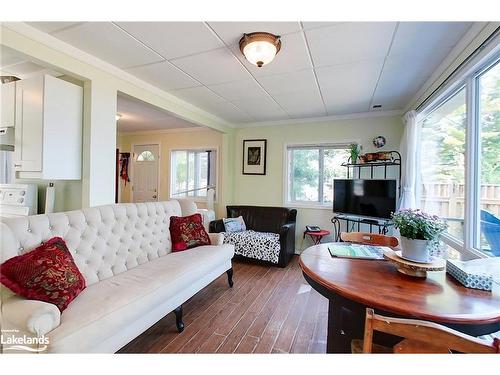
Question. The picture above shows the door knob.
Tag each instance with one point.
(154, 196)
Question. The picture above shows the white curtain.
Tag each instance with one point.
(409, 155)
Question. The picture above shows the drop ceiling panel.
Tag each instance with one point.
(231, 32)
(414, 37)
(316, 24)
(174, 39)
(51, 27)
(292, 56)
(349, 87)
(163, 75)
(302, 104)
(263, 108)
(217, 66)
(207, 100)
(109, 43)
(299, 81)
(238, 90)
(350, 42)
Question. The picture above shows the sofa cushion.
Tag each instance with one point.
(47, 274)
(187, 232)
(256, 245)
(105, 308)
(234, 224)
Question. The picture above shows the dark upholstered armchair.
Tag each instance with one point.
(278, 220)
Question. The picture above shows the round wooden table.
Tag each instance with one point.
(352, 285)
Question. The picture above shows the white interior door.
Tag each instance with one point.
(145, 173)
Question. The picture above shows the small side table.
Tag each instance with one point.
(316, 237)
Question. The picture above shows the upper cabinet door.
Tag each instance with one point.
(8, 109)
(28, 147)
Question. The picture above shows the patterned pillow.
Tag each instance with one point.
(47, 274)
(187, 232)
(234, 224)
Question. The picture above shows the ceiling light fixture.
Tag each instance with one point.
(118, 116)
(260, 48)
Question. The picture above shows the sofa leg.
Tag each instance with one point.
(230, 277)
(178, 319)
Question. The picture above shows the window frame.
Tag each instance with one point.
(217, 168)
(286, 170)
(469, 80)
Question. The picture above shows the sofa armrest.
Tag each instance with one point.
(287, 243)
(33, 316)
(216, 238)
(217, 226)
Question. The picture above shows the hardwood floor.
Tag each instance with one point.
(269, 310)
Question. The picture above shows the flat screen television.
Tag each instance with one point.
(370, 198)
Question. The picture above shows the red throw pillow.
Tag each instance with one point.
(47, 274)
(187, 232)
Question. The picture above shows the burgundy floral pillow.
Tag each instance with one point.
(47, 274)
(187, 232)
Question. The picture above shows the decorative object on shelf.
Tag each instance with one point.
(411, 268)
(477, 273)
(376, 156)
(419, 232)
(379, 141)
(260, 48)
(124, 161)
(254, 156)
(355, 150)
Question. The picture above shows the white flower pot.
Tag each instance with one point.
(416, 250)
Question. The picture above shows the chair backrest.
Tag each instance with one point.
(369, 239)
(424, 337)
(490, 225)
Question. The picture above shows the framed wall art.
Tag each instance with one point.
(254, 156)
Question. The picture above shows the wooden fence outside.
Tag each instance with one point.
(447, 200)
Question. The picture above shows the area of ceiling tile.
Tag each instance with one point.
(173, 39)
(323, 68)
(109, 43)
(165, 75)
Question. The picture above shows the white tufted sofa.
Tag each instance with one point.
(133, 278)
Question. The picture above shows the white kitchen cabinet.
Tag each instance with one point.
(8, 100)
(48, 130)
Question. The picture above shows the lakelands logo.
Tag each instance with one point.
(11, 340)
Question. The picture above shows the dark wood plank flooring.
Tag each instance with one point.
(269, 310)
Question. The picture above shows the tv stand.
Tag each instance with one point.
(381, 224)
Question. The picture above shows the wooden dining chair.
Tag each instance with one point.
(369, 239)
(423, 337)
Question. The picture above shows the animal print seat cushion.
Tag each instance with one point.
(256, 245)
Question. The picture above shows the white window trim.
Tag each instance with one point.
(217, 162)
(286, 164)
(469, 80)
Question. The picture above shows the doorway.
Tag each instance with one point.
(145, 171)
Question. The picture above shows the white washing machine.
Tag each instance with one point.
(18, 200)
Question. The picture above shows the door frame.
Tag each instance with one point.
(132, 152)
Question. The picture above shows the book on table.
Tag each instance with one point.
(347, 250)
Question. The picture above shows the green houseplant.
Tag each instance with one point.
(355, 150)
(418, 231)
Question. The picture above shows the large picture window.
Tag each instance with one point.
(311, 170)
(192, 173)
(459, 162)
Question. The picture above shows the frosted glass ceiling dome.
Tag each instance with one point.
(260, 48)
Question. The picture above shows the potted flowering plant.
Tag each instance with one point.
(418, 231)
